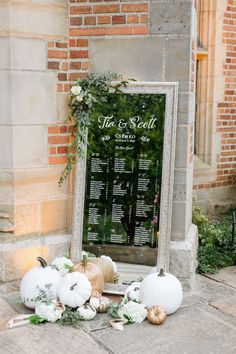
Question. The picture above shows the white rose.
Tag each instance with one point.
(63, 265)
(79, 98)
(132, 312)
(49, 312)
(76, 90)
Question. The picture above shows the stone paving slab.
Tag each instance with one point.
(188, 331)
(48, 338)
(226, 305)
(225, 276)
(6, 313)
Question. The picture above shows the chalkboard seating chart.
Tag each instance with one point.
(124, 168)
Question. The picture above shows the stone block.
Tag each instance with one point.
(30, 146)
(183, 184)
(28, 54)
(181, 219)
(27, 219)
(5, 103)
(18, 255)
(186, 108)
(183, 258)
(178, 59)
(5, 52)
(54, 215)
(182, 146)
(36, 185)
(41, 19)
(6, 147)
(126, 57)
(170, 18)
(33, 97)
(62, 107)
(4, 16)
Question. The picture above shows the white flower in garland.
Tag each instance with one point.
(63, 265)
(80, 97)
(76, 90)
(132, 312)
(48, 311)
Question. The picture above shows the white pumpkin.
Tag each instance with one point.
(74, 289)
(110, 259)
(133, 292)
(44, 278)
(101, 303)
(87, 312)
(162, 289)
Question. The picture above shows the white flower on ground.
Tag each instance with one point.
(132, 312)
(63, 265)
(76, 90)
(49, 312)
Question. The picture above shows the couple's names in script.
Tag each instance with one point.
(132, 123)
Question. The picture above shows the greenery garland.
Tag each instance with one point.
(86, 94)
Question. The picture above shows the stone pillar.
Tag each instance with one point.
(28, 104)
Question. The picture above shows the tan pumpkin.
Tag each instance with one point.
(106, 268)
(93, 273)
(156, 315)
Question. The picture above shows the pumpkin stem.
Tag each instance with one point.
(84, 262)
(161, 273)
(42, 261)
(73, 286)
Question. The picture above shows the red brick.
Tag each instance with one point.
(62, 54)
(59, 139)
(54, 129)
(76, 21)
(144, 18)
(82, 43)
(118, 20)
(134, 8)
(141, 30)
(99, 9)
(57, 160)
(94, 31)
(104, 20)
(63, 129)
(62, 77)
(122, 30)
(133, 18)
(52, 150)
(91, 20)
(54, 65)
(61, 45)
(62, 149)
(78, 54)
(81, 10)
(51, 44)
(75, 65)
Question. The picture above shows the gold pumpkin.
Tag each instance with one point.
(104, 303)
(106, 268)
(156, 315)
(93, 273)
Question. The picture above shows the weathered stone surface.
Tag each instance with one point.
(5, 106)
(62, 107)
(27, 218)
(27, 54)
(34, 17)
(6, 226)
(226, 276)
(54, 215)
(34, 97)
(6, 147)
(6, 313)
(30, 146)
(5, 53)
(178, 61)
(190, 331)
(126, 57)
(181, 219)
(4, 215)
(49, 338)
(225, 305)
(170, 18)
(182, 146)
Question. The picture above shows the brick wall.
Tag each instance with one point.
(71, 58)
(226, 112)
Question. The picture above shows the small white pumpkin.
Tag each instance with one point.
(74, 289)
(133, 292)
(39, 278)
(101, 303)
(162, 289)
(87, 312)
(110, 259)
(94, 301)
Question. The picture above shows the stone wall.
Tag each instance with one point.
(215, 163)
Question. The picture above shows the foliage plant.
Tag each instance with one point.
(86, 95)
(215, 249)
